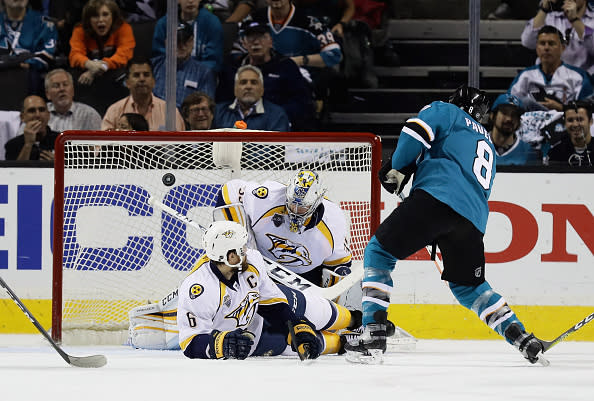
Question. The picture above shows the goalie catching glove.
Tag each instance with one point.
(304, 340)
(393, 180)
(230, 344)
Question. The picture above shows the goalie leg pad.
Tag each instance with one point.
(152, 332)
(151, 328)
(332, 343)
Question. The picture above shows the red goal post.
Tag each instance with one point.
(113, 251)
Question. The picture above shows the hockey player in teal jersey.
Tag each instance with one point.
(453, 162)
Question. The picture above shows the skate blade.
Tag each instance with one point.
(543, 361)
(375, 357)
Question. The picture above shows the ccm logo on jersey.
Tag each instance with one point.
(196, 290)
(260, 192)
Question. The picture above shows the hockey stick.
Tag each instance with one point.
(546, 345)
(276, 270)
(93, 361)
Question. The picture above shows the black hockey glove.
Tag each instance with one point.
(304, 339)
(394, 181)
(230, 344)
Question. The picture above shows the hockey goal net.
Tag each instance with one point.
(113, 251)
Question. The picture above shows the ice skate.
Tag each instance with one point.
(368, 348)
(528, 345)
(350, 335)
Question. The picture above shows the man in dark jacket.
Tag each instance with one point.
(284, 83)
(36, 139)
(249, 106)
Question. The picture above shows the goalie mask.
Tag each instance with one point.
(223, 237)
(304, 194)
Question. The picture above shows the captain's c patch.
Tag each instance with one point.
(196, 290)
(260, 192)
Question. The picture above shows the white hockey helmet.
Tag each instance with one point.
(221, 238)
(304, 194)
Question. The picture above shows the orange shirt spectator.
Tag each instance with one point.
(101, 46)
(121, 41)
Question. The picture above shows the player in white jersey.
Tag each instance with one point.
(229, 307)
(293, 224)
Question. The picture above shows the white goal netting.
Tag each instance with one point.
(116, 252)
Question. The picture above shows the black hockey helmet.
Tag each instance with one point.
(472, 100)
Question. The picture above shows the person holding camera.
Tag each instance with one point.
(552, 83)
(575, 20)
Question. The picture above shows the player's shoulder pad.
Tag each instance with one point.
(269, 190)
(437, 112)
(335, 218)
(236, 184)
(260, 192)
(254, 258)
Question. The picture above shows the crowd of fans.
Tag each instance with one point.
(287, 58)
(546, 115)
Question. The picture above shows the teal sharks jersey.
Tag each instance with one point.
(455, 159)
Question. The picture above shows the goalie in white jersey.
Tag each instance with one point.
(293, 224)
(229, 307)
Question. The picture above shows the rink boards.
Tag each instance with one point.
(539, 244)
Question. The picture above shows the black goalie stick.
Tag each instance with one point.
(546, 345)
(93, 361)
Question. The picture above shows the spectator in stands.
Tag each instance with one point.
(333, 13)
(65, 114)
(573, 147)
(232, 11)
(36, 139)
(505, 120)
(208, 34)
(28, 43)
(132, 122)
(575, 20)
(305, 39)
(66, 14)
(10, 121)
(198, 110)
(552, 83)
(295, 34)
(354, 37)
(101, 46)
(285, 86)
(513, 9)
(192, 75)
(143, 11)
(249, 106)
(140, 83)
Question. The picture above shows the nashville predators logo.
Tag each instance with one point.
(228, 234)
(288, 253)
(246, 310)
(260, 192)
(196, 290)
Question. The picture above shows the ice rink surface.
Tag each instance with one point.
(436, 370)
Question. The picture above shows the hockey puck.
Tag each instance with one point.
(168, 179)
